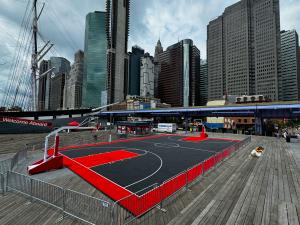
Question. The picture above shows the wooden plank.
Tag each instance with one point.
(292, 214)
(218, 186)
(200, 217)
(282, 214)
(240, 209)
(261, 170)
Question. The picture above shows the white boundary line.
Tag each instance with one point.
(179, 146)
(145, 178)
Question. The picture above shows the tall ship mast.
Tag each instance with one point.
(37, 56)
(21, 90)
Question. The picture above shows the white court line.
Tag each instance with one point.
(199, 149)
(135, 149)
(179, 146)
(170, 145)
(161, 163)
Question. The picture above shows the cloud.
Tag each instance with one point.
(290, 15)
(173, 20)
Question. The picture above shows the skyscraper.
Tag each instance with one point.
(61, 68)
(135, 70)
(95, 70)
(243, 50)
(147, 76)
(158, 49)
(73, 87)
(179, 74)
(203, 82)
(44, 85)
(117, 28)
(289, 66)
(51, 84)
(216, 73)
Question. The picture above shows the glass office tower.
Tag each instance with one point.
(179, 77)
(95, 70)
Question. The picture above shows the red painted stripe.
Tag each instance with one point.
(113, 190)
(194, 139)
(105, 158)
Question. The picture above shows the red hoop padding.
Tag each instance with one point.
(203, 136)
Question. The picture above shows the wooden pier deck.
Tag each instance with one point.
(242, 190)
(246, 190)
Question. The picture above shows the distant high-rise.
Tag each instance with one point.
(243, 50)
(203, 82)
(289, 66)
(147, 76)
(179, 82)
(158, 50)
(95, 63)
(134, 70)
(73, 87)
(61, 68)
(44, 86)
(117, 28)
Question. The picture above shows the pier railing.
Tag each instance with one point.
(83, 207)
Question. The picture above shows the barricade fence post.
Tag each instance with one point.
(161, 188)
(63, 204)
(187, 180)
(6, 184)
(31, 192)
(2, 184)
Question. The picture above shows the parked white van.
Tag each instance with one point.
(166, 128)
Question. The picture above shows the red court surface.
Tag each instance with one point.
(141, 172)
(104, 158)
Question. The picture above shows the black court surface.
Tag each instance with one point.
(159, 159)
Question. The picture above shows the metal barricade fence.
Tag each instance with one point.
(142, 206)
(19, 183)
(5, 166)
(120, 215)
(48, 193)
(77, 205)
(89, 209)
(19, 157)
(2, 190)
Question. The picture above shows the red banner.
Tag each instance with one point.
(25, 122)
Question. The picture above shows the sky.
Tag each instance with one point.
(63, 22)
